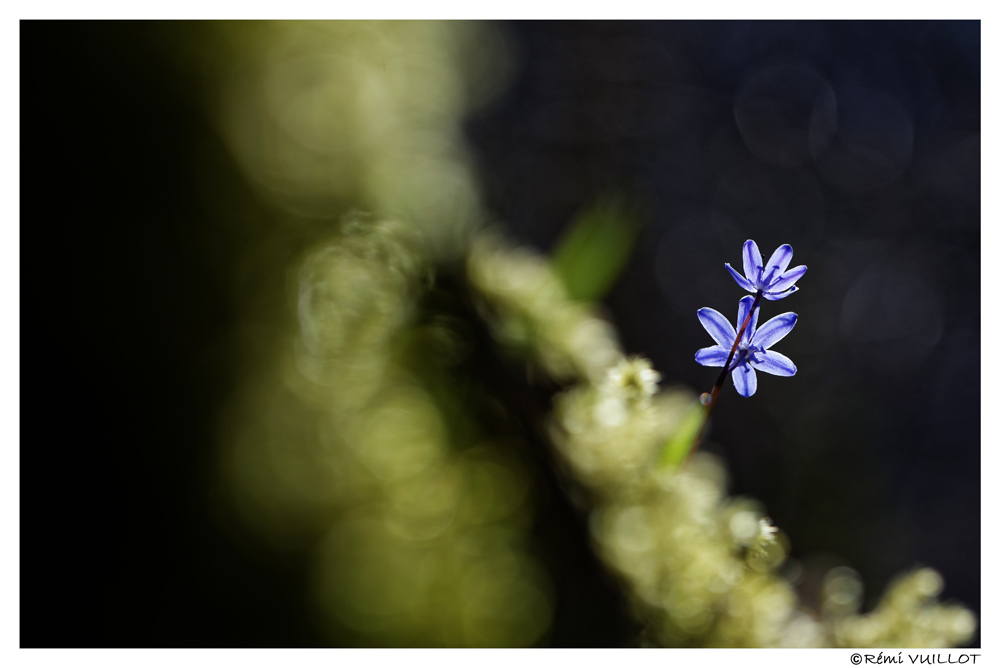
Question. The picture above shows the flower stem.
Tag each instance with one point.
(718, 384)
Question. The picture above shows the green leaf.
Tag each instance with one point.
(592, 254)
(675, 449)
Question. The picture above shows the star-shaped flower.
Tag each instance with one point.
(752, 351)
(774, 280)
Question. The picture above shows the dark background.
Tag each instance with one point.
(857, 143)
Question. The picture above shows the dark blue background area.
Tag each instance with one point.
(857, 143)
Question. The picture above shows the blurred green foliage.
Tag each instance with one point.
(676, 448)
(596, 247)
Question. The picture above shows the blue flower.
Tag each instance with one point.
(752, 351)
(774, 280)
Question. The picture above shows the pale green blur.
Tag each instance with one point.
(337, 444)
(323, 115)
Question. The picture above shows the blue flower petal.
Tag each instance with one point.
(781, 295)
(745, 380)
(774, 330)
(717, 327)
(773, 363)
(712, 356)
(740, 281)
(788, 279)
(745, 304)
(752, 263)
(776, 265)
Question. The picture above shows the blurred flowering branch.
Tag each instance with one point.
(424, 510)
(699, 569)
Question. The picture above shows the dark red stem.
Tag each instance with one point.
(718, 384)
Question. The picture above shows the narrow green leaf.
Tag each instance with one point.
(592, 254)
(676, 448)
